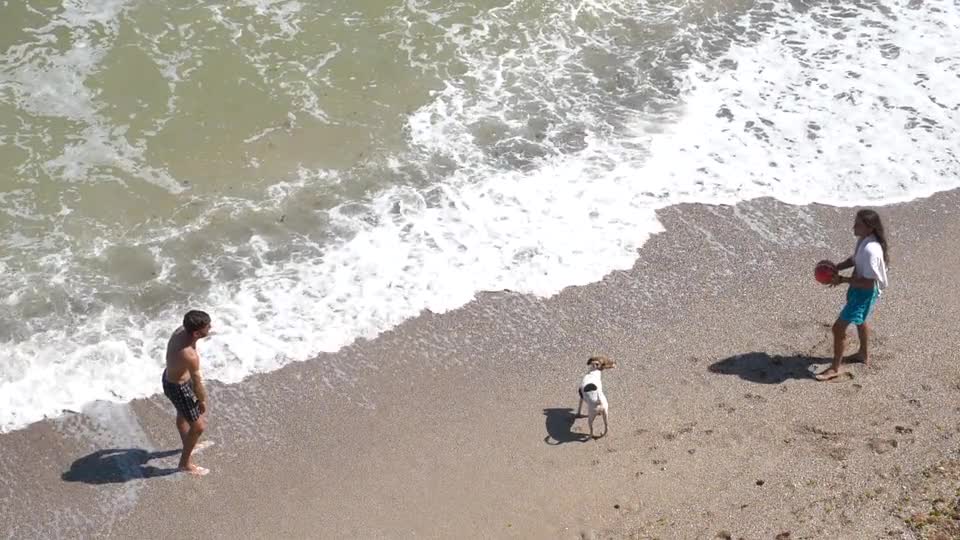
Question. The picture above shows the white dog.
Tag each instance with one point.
(591, 391)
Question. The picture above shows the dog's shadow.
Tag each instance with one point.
(558, 424)
(762, 368)
(117, 465)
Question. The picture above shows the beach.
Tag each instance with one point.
(457, 425)
(413, 222)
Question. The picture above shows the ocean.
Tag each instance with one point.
(312, 173)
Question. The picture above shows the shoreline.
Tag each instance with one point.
(457, 424)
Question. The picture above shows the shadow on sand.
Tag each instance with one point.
(117, 465)
(762, 368)
(558, 424)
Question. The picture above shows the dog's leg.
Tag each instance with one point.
(590, 421)
(605, 428)
(579, 408)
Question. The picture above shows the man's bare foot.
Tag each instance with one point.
(194, 469)
(828, 374)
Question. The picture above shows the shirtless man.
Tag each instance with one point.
(183, 385)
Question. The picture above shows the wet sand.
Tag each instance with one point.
(459, 425)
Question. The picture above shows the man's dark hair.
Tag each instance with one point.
(195, 320)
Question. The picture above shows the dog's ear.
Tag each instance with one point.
(604, 363)
(601, 362)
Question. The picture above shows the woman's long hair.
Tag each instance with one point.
(872, 219)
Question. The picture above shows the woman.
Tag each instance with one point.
(869, 262)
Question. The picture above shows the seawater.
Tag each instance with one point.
(310, 174)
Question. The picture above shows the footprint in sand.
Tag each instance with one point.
(839, 453)
(853, 389)
(882, 446)
(726, 408)
(808, 429)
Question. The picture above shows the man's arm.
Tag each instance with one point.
(193, 365)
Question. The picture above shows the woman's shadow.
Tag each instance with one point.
(558, 423)
(117, 465)
(760, 367)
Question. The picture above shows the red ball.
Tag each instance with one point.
(824, 272)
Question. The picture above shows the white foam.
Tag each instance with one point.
(554, 218)
(820, 119)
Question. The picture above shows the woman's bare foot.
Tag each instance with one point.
(194, 469)
(828, 374)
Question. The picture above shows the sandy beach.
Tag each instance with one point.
(458, 425)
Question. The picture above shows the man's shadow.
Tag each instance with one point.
(762, 368)
(117, 465)
(558, 423)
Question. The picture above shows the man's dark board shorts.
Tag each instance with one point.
(182, 397)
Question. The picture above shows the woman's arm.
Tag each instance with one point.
(847, 263)
(858, 282)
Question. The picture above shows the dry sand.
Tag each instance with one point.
(458, 425)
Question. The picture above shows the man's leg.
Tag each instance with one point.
(189, 442)
(839, 339)
(183, 426)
